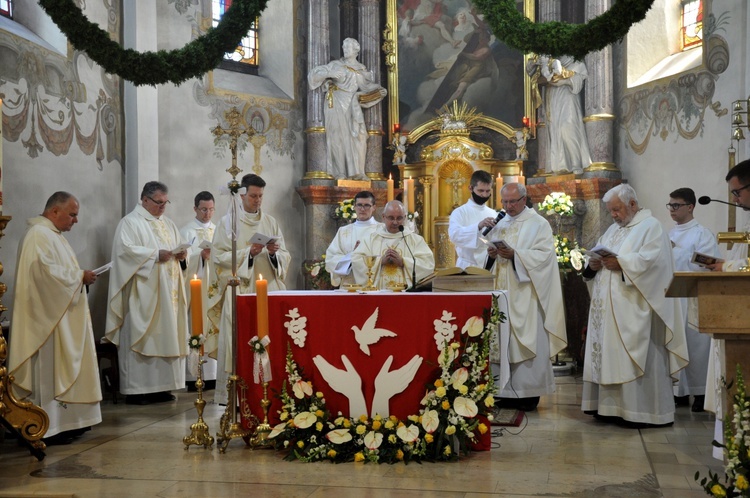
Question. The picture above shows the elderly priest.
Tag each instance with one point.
(400, 254)
(53, 355)
(636, 336)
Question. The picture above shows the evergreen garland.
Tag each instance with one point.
(559, 38)
(152, 68)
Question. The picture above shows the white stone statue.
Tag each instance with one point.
(520, 138)
(563, 79)
(399, 149)
(349, 88)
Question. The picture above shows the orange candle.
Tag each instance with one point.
(409, 194)
(498, 189)
(390, 187)
(261, 302)
(196, 306)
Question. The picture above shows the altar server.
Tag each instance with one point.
(636, 335)
(147, 313)
(468, 221)
(271, 260)
(526, 266)
(52, 354)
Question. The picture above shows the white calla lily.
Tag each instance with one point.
(430, 421)
(459, 377)
(278, 429)
(301, 389)
(303, 420)
(465, 407)
(373, 440)
(408, 434)
(339, 436)
(473, 326)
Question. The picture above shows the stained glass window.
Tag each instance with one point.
(246, 53)
(692, 23)
(6, 8)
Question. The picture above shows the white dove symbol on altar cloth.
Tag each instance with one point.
(368, 334)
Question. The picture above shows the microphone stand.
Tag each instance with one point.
(414, 261)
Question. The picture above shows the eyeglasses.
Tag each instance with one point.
(395, 218)
(363, 206)
(736, 193)
(507, 202)
(158, 203)
(205, 210)
(675, 206)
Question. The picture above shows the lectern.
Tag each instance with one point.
(723, 310)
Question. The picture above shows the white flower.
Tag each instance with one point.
(445, 359)
(408, 434)
(430, 421)
(373, 440)
(303, 420)
(278, 429)
(301, 389)
(465, 407)
(473, 326)
(339, 436)
(459, 377)
(315, 270)
(576, 259)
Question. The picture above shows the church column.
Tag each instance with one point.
(348, 12)
(599, 102)
(370, 54)
(549, 10)
(318, 53)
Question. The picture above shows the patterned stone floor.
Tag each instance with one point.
(557, 452)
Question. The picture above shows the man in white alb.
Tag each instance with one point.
(53, 354)
(348, 237)
(468, 221)
(199, 233)
(147, 313)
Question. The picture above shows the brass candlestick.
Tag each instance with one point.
(199, 434)
(262, 430)
(370, 262)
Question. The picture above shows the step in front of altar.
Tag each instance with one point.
(463, 283)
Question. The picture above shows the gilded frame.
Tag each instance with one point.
(413, 122)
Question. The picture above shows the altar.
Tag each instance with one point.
(384, 346)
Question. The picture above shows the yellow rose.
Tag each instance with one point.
(399, 455)
(319, 426)
(440, 392)
(447, 451)
(377, 417)
(413, 418)
(480, 388)
(392, 439)
(428, 438)
(319, 413)
(439, 383)
(283, 416)
(718, 491)
(359, 457)
(319, 395)
(741, 482)
(300, 444)
(445, 404)
(361, 429)
(347, 423)
(376, 425)
(463, 389)
(482, 429)
(393, 419)
(450, 430)
(489, 401)
(363, 419)
(331, 453)
(389, 425)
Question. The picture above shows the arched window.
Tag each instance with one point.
(6, 8)
(692, 23)
(245, 57)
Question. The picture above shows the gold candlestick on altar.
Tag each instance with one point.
(370, 262)
(262, 430)
(199, 434)
(736, 238)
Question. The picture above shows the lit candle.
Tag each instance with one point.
(409, 194)
(498, 189)
(261, 301)
(196, 307)
(526, 121)
(396, 128)
(390, 187)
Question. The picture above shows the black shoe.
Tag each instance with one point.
(682, 401)
(58, 439)
(210, 385)
(697, 404)
(527, 404)
(190, 384)
(137, 399)
(161, 397)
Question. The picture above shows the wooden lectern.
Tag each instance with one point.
(723, 310)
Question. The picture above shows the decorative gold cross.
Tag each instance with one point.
(235, 131)
(456, 181)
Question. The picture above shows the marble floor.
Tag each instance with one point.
(558, 452)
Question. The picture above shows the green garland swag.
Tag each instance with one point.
(152, 68)
(558, 38)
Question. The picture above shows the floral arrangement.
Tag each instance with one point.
(736, 482)
(451, 417)
(568, 257)
(196, 341)
(320, 279)
(345, 211)
(557, 203)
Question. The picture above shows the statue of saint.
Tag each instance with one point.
(349, 88)
(562, 80)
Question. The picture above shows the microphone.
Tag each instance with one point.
(706, 199)
(500, 216)
(414, 261)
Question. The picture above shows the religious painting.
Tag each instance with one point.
(443, 50)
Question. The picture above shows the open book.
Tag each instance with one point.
(600, 251)
(263, 239)
(181, 248)
(469, 270)
(704, 260)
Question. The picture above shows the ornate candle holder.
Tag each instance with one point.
(370, 263)
(199, 434)
(262, 430)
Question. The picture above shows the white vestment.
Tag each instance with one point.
(535, 307)
(194, 233)
(463, 232)
(147, 314)
(388, 275)
(219, 341)
(688, 238)
(346, 134)
(339, 252)
(52, 354)
(636, 336)
(568, 148)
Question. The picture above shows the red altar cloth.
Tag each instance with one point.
(328, 325)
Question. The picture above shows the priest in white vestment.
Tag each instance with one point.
(636, 341)
(53, 354)
(347, 238)
(253, 260)
(468, 221)
(688, 237)
(147, 313)
(526, 266)
(199, 233)
(400, 254)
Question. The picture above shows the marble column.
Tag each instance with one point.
(549, 10)
(599, 102)
(370, 54)
(318, 53)
(349, 25)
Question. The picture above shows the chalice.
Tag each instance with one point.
(370, 262)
